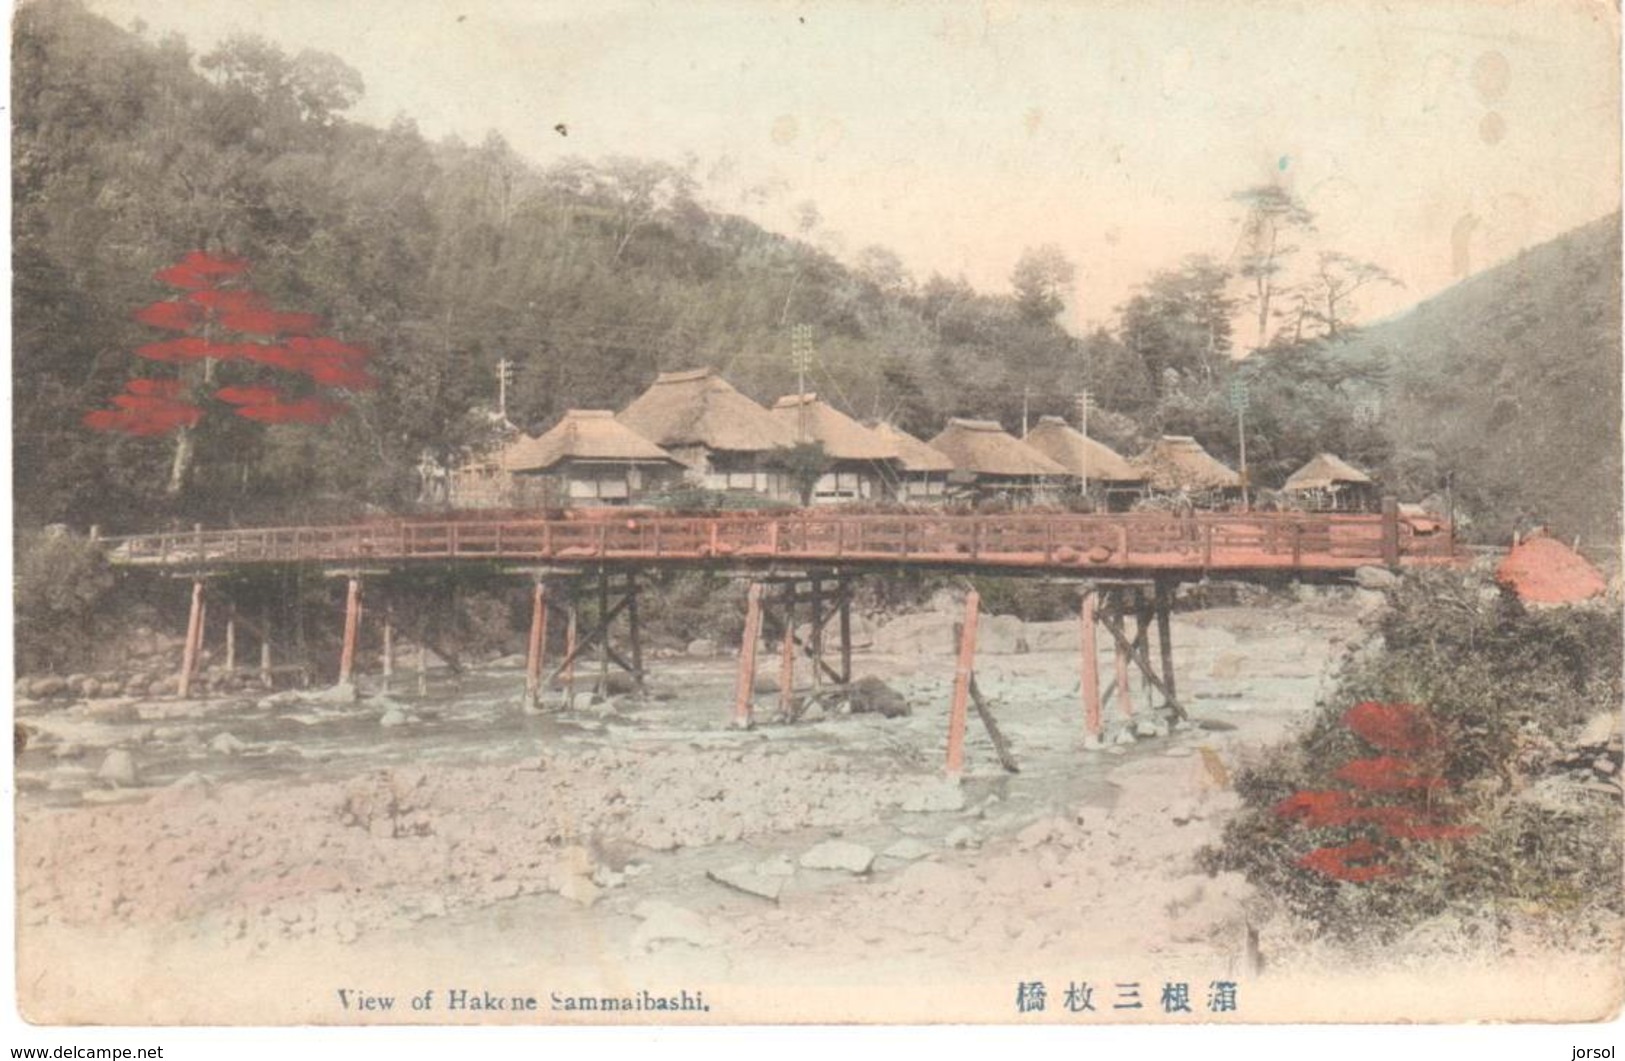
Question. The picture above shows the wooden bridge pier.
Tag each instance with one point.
(616, 597)
(778, 599)
(1121, 602)
(191, 648)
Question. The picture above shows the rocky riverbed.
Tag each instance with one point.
(642, 837)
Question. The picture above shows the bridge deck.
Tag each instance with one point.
(1126, 544)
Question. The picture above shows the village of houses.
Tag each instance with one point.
(694, 429)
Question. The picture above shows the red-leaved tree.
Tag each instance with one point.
(218, 319)
(1399, 795)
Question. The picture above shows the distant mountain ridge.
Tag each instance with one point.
(1508, 383)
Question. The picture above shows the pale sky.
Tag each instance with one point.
(1423, 134)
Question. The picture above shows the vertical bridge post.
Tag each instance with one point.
(1089, 670)
(1125, 695)
(231, 639)
(194, 639)
(746, 681)
(352, 629)
(787, 655)
(389, 648)
(1165, 642)
(963, 669)
(537, 645)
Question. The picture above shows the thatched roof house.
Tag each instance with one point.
(586, 458)
(994, 461)
(858, 457)
(1178, 462)
(593, 458)
(913, 456)
(722, 436)
(1329, 482)
(1068, 447)
(1325, 472)
(919, 473)
(583, 436)
(808, 418)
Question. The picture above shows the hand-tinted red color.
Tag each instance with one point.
(305, 411)
(1387, 774)
(148, 408)
(1318, 809)
(1392, 727)
(205, 264)
(1338, 862)
(171, 316)
(212, 305)
(160, 388)
(187, 348)
(223, 302)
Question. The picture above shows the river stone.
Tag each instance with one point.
(838, 854)
(667, 922)
(118, 768)
(745, 878)
(226, 744)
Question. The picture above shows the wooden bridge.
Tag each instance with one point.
(1238, 545)
(800, 565)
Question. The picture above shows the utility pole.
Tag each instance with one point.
(504, 377)
(1025, 393)
(1238, 398)
(1084, 399)
(801, 352)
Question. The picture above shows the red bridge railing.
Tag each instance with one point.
(1126, 542)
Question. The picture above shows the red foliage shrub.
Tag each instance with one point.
(1392, 727)
(1387, 774)
(1338, 862)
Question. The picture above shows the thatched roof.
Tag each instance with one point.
(585, 435)
(843, 438)
(1322, 472)
(1057, 440)
(912, 454)
(700, 408)
(1178, 462)
(982, 447)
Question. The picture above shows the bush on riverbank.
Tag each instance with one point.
(1469, 766)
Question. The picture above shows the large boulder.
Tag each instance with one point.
(871, 695)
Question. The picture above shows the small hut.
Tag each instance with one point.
(991, 463)
(1110, 477)
(591, 459)
(921, 473)
(858, 457)
(725, 440)
(1177, 464)
(1330, 484)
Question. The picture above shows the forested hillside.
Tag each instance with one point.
(444, 258)
(1510, 383)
